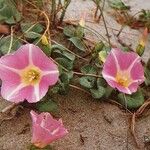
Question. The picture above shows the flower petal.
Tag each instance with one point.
(133, 87)
(18, 59)
(45, 129)
(110, 66)
(17, 93)
(125, 59)
(137, 72)
(120, 88)
(46, 81)
(44, 63)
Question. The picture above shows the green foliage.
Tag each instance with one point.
(69, 31)
(98, 93)
(96, 86)
(75, 36)
(118, 5)
(88, 69)
(32, 147)
(47, 105)
(45, 48)
(140, 49)
(87, 81)
(78, 43)
(102, 56)
(147, 73)
(98, 47)
(32, 31)
(62, 86)
(101, 83)
(100, 51)
(60, 51)
(62, 56)
(65, 63)
(132, 101)
(5, 44)
(79, 32)
(9, 12)
(145, 15)
(145, 18)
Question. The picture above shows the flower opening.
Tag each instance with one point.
(27, 74)
(123, 70)
(123, 79)
(46, 129)
(31, 75)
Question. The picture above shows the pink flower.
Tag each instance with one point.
(27, 74)
(45, 129)
(123, 70)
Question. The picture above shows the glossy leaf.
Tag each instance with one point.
(88, 69)
(5, 44)
(47, 106)
(87, 82)
(133, 101)
(98, 93)
(69, 31)
(78, 43)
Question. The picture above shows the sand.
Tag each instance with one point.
(92, 125)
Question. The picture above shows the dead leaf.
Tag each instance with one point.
(4, 29)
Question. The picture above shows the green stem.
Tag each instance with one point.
(101, 11)
(53, 11)
(125, 101)
(67, 2)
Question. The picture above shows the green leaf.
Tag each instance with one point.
(108, 91)
(38, 28)
(101, 82)
(63, 53)
(88, 69)
(32, 31)
(79, 32)
(69, 31)
(147, 75)
(47, 106)
(102, 56)
(133, 101)
(32, 35)
(148, 64)
(118, 4)
(78, 43)
(98, 47)
(45, 48)
(9, 12)
(87, 82)
(32, 147)
(140, 49)
(65, 63)
(63, 85)
(98, 93)
(5, 44)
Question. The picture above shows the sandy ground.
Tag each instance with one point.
(92, 125)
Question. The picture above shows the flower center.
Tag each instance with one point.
(31, 75)
(123, 79)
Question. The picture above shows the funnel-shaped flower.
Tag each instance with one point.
(123, 70)
(27, 74)
(45, 129)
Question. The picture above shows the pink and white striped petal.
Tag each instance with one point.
(27, 74)
(40, 60)
(18, 59)
(123, 70)
(45, 129)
